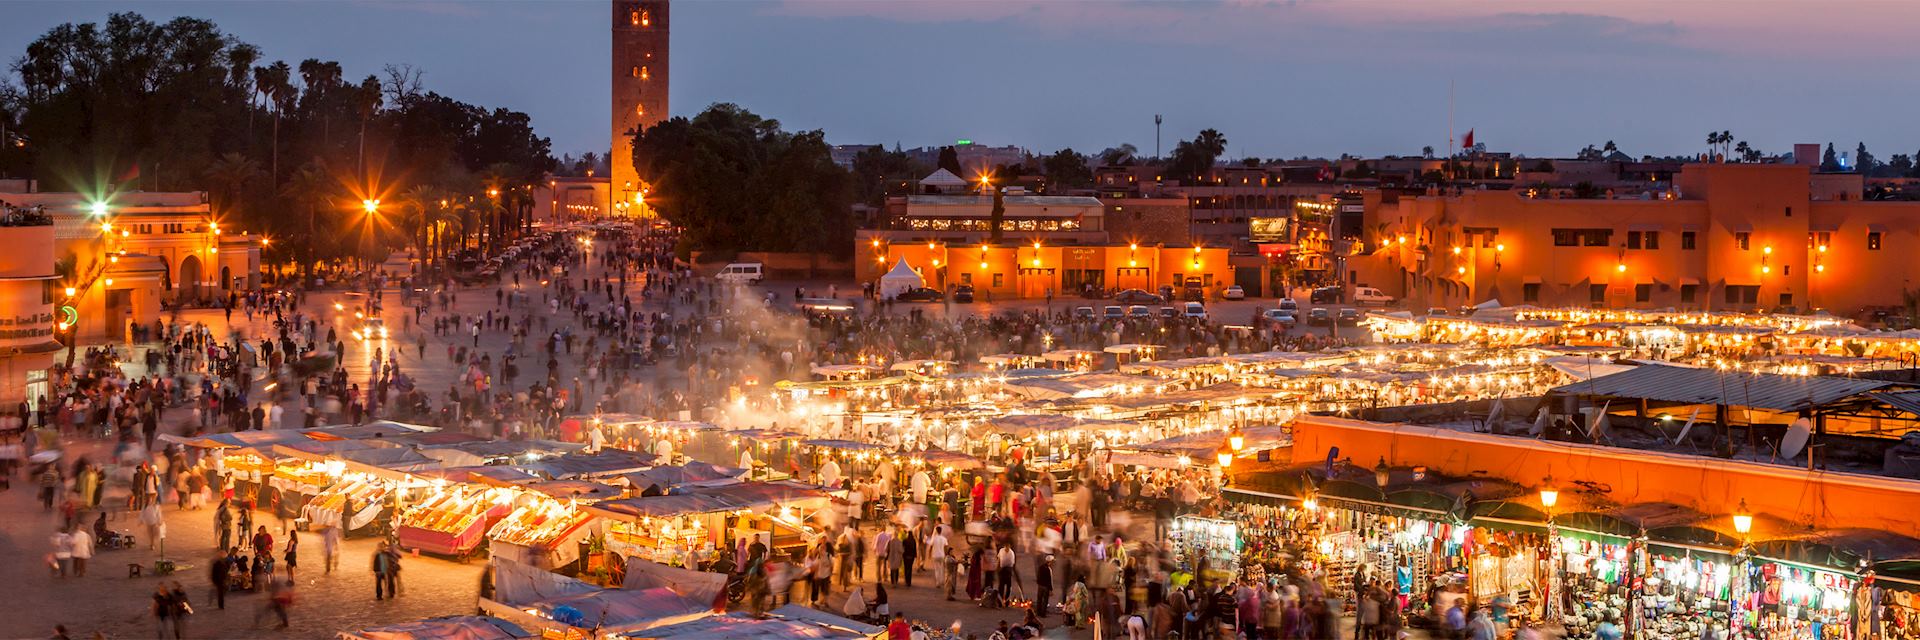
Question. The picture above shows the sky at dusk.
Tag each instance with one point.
(1280, 78)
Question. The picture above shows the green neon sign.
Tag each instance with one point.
(963, 142)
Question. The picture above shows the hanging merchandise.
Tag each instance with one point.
(1683, 597)
(1207, 547)
(1797, 603)
(1597, 581)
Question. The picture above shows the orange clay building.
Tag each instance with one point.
(1732, 237)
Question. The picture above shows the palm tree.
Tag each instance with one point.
(1742, 150)
(498, 179)
(366, 99)
(232, 172)
(310, 186)
(275, 83)
(426, 207)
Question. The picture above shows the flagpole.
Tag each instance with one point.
(1450, 150)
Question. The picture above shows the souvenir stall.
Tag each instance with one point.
(1207, 548)
(275, 481)
(1793, 601)
(1682, 591)
(1597, 574)
(451, 520)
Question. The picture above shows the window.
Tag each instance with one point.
(999, 280)
(1786, 270)
(1686, 240)
(1689, 293)
(1643, 240)
(635, 72)
(1530, 292)
(1653, 240)
(1582, 237)
(966, 278)
(1742, 239)
(1873, 241)
(1743, 294)
(1643, 293)
(644, 74)
(1815, 240)
(1633, 239)
(1786, 299)
(1789, 212)
(1597, 293)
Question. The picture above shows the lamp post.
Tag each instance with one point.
(1550, 496)
(1742, 564)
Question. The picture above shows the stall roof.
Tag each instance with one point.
(746, 495)
(789, 622)
(849, 445)
(1025, 424)
(1732, 388)
(607, 462)
(666, 477)
(450, 627)
(575, 489)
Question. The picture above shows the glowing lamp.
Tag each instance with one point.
(109, 282)
(1767, 249)
(106, 227)
(1500, 247)
(71, 291)
(1549, 495)
(1310, 504)
(983, 266)
(1456, 251)
(1742, 520)
(98, 208)
(1462, 270)
(1823, 248)
(1382, 474)
(1622, 267)
(372, 206)
(1224, 457)
(1236, 439)
(1820, 268)
(1765, 269)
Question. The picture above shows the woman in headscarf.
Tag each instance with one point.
(1078, 605)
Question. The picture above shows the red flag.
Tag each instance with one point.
(1467, 142)
(132, 173)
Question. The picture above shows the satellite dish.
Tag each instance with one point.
(1796, 438)
(1689, 428)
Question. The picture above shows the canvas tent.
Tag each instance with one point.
(899, 280)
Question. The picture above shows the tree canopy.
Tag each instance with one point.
(182, 105)
(734, 181)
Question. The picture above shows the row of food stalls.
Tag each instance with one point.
(540, 504)
(1656, 570)
(1805, 344)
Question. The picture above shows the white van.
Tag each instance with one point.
(1363, 296)
(741, 273)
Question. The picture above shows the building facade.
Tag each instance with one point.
(573, 198)
(639, 90)
(1734, 237)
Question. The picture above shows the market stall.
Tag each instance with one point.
(451, 520)
(682, 528)
(544, 531)
(353, 504)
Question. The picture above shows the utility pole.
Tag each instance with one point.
(1156, 136)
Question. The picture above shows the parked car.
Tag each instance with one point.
(1289, 305)
(1194, 310)
(1169, 313)
(1436, 311)
(1136, 296)
(1319, 317)
(1326, 295)
(1369, 295)
(1349, 317)
(920, 294)
(1281, 319)
(1113, 312)
(963, 293)
(1139, 311)
(1194, 292)
(1083, 313)
(1233, 293)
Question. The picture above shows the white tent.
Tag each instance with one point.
(944, 181)
(900, 279)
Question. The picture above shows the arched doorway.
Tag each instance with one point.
(189, 289)
(226, 279)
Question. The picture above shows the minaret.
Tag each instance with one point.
(639, 90)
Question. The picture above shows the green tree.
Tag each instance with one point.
(1067, 169)
(311, 188)
(734, 181)
(875, 169)
(950, 160)
(1863, 162)
(231, 173)
(1829, 161)
(1192, 159)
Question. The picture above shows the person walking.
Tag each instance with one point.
(82, 551)
(220, 571)
(223, 524)
(62, 553)
(385, 565)
(293, 547)
(330, 546)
